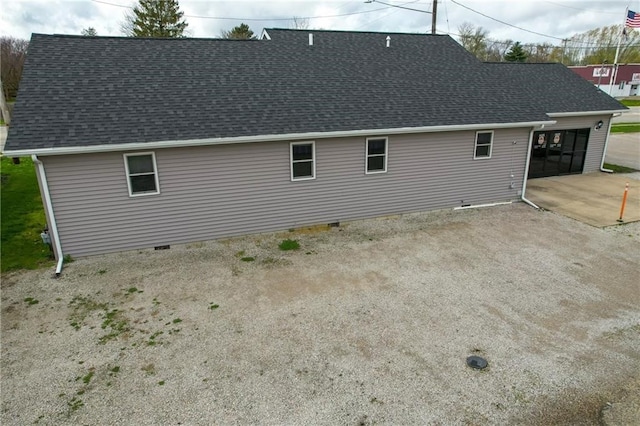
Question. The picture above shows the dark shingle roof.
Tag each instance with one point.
(87, 91)
(552, 87)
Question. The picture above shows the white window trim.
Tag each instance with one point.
(313, 160)
(475, 145)
(385, 155)
(128, 175)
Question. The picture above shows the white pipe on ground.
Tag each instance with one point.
(606, 143)
(477, 206)
(52, 219)
(526, 171)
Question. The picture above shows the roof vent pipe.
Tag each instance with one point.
(388, 40)
(310, 39)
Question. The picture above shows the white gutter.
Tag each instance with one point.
(526, 172)
(606, 143)
(52, 218)
(584, 113)
(267, 138)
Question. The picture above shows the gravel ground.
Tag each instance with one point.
(368, 323)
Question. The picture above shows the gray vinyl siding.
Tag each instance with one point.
(595, 145)
(216, 191)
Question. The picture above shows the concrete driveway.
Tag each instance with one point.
(593, 198)
(631, 116)
(624, 150)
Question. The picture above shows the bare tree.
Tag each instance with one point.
(4, 108)
(300, 23)
(474, 39)
(496, 49)
(91, 32)
(13, 52)
(540, 52)
(126, 26)
(599, 44)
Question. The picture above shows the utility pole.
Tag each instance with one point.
(434, 16)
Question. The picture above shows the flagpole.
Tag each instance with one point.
(614, 71)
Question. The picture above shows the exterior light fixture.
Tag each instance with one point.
(599, 125)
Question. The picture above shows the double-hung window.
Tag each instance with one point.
(484, 141)
(142, 173)
(376, 155)
(303, 160)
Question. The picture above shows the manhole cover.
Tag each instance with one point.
(477, 362)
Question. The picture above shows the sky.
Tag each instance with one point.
(553, 20)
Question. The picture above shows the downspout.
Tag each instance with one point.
(526, 172)
(52, 218)
(606, 143)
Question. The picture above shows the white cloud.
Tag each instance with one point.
(559, 18)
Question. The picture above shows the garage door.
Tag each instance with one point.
(558, 152)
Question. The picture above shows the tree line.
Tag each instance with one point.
(163, 18)
(595, 46)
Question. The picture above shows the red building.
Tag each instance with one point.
(627, 78)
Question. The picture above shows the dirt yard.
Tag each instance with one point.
(368, 323)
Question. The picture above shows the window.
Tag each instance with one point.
(303, 160)
(484, 140)
(376, 155)
(142, 178)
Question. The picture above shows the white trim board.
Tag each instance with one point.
(268, 138)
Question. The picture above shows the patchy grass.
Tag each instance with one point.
(22, 217)
(630, 102)
(619, 169)
(248, 259)
(289, 245)
(625, 128)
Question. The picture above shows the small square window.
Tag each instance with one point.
(303, 162)
(484, 142)
(142, 178)
(376, 155)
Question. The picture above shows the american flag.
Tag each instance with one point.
(633, 20)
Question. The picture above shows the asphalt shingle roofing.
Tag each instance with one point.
(87, 91)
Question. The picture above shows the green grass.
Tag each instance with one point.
(289, 245)
(618, 169)
(625, 127)
(22, 217)
(630, 102)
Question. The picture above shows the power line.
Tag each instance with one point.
(230, 18)
(506, 23)
(446, 13)
(392, 11)
(399, 7)
(581, 46)
(582, 9)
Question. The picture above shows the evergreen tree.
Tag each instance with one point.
(242, 31)
(155, 18)
(516, 53)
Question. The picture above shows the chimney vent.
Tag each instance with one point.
(388, 40)
(310, 39)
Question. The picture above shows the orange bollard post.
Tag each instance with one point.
(624, 201)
